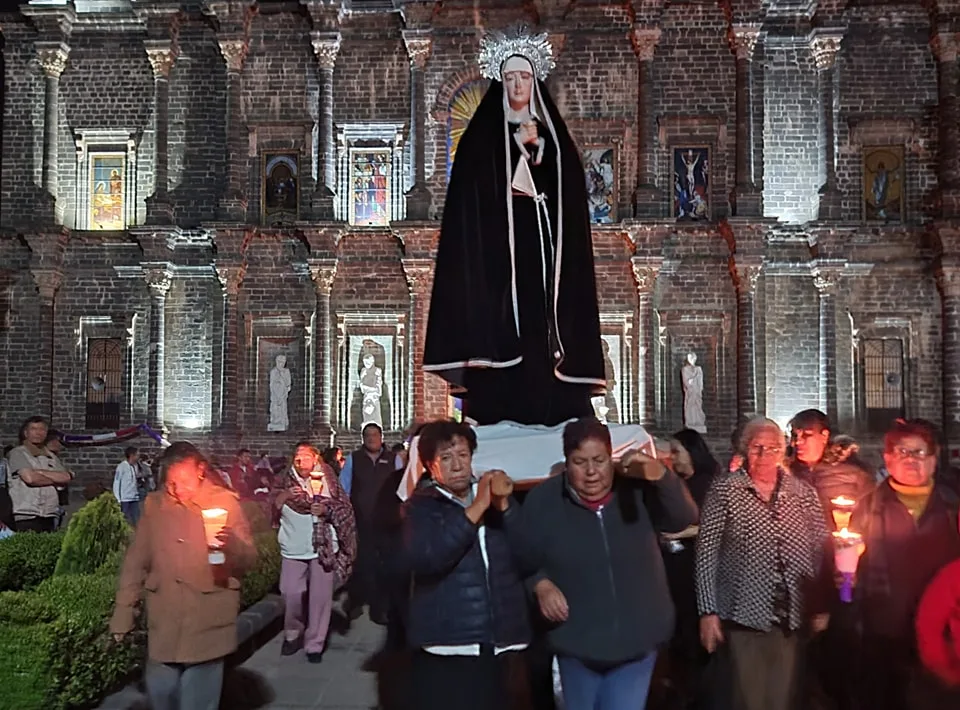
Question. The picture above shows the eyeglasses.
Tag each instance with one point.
(761, 451)
(905, 453)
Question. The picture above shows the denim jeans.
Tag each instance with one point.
(622, 687)
(131, 511)
(180, 686)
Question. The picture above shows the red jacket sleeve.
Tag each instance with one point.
(938, 625)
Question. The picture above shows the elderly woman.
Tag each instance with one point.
(318, 545)
(591, 536)
(762, 537)
(191, 604)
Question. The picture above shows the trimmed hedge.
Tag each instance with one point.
(28, 558)
(95, 532)
(265, 575)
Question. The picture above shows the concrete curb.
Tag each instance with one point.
(250, 623)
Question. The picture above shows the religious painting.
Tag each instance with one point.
(280, 187)
(691, 183)
(600, 167)
(370, 187)
(608, 406)
(883, 178)
(462, 107)
(107, 179)
(370, 381)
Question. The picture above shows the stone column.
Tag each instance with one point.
(746, 198)
(825, 282)
(948, 278)
(231, 276)
(418, 44)
(647, 200)
(944, 45)
(53, 60)
(162, 55)
(159, 281)
(233, 203)
(825, 45)
(747, 277)
(48, 283)
(326, 45)
(645, 272)
(429, 391)
(324, 272)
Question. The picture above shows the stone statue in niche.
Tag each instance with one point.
(371, 389)
(279, 393)
(693, 416)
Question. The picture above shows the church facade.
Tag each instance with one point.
(190, 190)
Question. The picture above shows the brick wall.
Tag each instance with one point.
(887, 81)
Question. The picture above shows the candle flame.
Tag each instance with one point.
(843, 501)
(214, 512)
(845, 534)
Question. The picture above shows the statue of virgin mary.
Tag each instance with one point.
(513, 323)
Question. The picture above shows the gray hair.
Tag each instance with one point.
(752, 429)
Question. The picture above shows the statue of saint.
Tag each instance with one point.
(279, 392)
(371, 390)
(693, 416)
(513, 323)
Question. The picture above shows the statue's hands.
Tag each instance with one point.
(527, 133)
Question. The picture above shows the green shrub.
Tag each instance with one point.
(25, 673)
(25, 608)
(28, 558)
(265, 575)
(112, 565)
(95, 531)
(256, 517)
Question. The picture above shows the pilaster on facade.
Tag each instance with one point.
(948, 281)
(162, 54)
(158, 278)
(324, 273)
(943, 43)
(645, 272)
(430, 392)
(326, 47)
(233, 203)
(419, 44)
(825, 46)
(48, 282)
(647, 200)
(747, 279)
(826, 279)
(52, 57)
(231, 277)
(746, 198)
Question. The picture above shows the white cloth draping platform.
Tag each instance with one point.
(525, 452)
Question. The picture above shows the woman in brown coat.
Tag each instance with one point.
(191, 604)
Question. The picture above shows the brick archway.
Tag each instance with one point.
(441, 105)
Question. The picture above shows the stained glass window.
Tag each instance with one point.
(883, 381)
(462, 107)
(107, 180)
(370, 187)
(104, 383)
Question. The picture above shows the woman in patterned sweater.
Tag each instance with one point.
(762, 537)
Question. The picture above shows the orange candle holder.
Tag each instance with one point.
(214, 521)
(842, 511)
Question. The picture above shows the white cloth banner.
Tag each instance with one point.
(526, 453)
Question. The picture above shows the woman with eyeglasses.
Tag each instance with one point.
(762, 538)
(909, 526)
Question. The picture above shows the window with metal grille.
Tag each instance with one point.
(104, 383)
(883, 381)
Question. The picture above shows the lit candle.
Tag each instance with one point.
(842, 511)
(848, 547)
(214, 521)
(316, 484)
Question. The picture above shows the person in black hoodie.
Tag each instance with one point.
(468, 610)
(592, 536)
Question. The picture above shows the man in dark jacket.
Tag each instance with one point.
(468, 610)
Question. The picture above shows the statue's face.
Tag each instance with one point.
(518, 82)
(281, 361)
(368, 360)
(692, 359)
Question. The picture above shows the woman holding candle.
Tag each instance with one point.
(318, 544)
(909, 529)
(192, 596)
(761, 541)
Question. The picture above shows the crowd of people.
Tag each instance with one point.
(670, 581)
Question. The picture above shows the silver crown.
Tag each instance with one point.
(497, 46)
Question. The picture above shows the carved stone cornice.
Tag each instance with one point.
(418, 44)
(418, 14)
(645, 40)
(162, 55)
(230, 276)
(326, 45)
(743, 40)
(52, 57)
(48, 283)
(419, 275)
(944, 46)
(825, 281)
(159, 280)
(825, 45)
(948, 278)
(748, 275)
(645, 272)
(234, 51)
(323, 272)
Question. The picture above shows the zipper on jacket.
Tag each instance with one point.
(613, 584)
